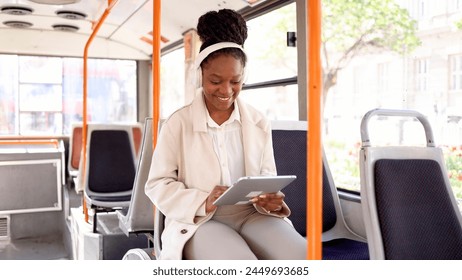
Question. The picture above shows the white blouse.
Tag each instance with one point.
(227, 143)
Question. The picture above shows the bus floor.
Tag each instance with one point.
(34, 248)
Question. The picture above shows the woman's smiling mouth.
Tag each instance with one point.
(223, 98)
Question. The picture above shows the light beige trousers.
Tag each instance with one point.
(241, 233)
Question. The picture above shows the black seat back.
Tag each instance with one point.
(290, 156)
(111, 164)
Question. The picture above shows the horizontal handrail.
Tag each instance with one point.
(30, 142)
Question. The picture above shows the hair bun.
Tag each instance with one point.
(224, 25)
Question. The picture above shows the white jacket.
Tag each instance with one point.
(185, 168)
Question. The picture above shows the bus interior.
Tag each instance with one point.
(81, 79)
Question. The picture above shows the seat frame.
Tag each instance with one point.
(75, 143)
(139, 217)
(118, 199)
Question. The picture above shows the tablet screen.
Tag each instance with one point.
(248, 187)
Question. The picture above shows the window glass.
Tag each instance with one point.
(172, 93)
(46, 123)
(72, 92)
(38, 70)
(427, 78)
(44, 95)
(8, 94)
(111, 91)
(269, 56)
(277, 103)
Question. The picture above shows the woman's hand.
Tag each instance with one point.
(271, 202)
(214, 194)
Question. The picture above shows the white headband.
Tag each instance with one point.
(215, 47)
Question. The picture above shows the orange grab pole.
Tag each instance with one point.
(100, 22)
(156, 39)
(156, 23)
(314, 166)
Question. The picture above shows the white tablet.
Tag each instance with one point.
(247, 187)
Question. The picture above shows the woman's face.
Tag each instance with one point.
(222, 79)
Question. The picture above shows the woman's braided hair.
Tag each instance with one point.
(222, 26)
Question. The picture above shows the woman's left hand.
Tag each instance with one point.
(272, 202)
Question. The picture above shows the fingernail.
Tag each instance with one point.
(262, 196)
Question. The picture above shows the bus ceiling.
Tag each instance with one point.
(62, 27)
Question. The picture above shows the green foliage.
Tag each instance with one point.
(453, 158)
(351, 25)
(459, 24)
(344, 164)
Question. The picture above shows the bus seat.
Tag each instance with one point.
(139, 216)
(339, 242)
(110, 169)
(409, 208)
(75, 150)
(137, 138)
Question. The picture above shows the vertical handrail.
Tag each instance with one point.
(100, 22)
(156, 39)
(314, 166)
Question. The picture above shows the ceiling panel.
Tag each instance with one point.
(127, 23)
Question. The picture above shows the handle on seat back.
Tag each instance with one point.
(396, 113)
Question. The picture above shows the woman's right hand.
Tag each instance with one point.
(216, 192)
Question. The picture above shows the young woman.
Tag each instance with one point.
(206, 146)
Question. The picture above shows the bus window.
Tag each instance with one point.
(8, 94)
(27, 81)
(270, 59)
(424, 76)
(172, 82)
(277, 103)
(269, 56)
